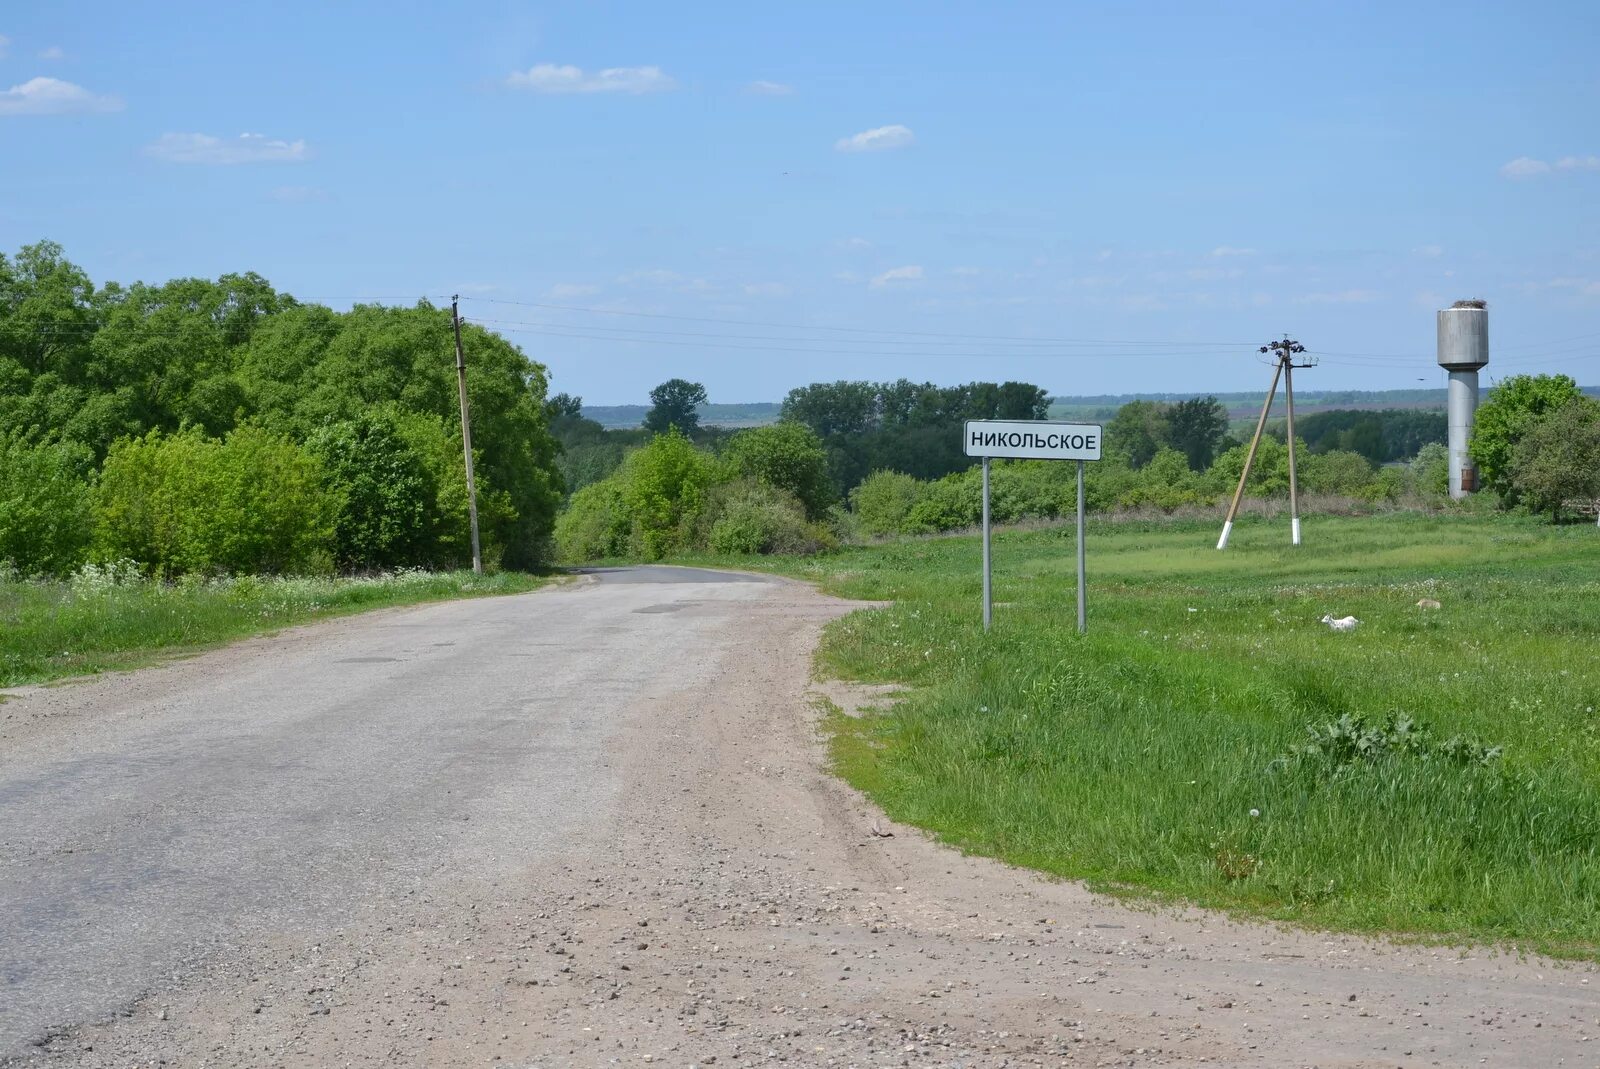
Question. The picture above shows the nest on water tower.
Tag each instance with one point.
(1474, 303)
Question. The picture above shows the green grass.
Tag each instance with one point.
(105, 619)
(1134, 756)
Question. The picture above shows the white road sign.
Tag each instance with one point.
(1032, 439)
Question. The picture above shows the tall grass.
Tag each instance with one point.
(108, 617)
(1433, 772)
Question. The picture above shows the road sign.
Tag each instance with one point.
(1033, 439)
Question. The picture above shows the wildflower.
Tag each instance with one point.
(1255, 812)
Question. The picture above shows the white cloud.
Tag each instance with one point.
(554, 78)
(1524, 167)
(766, 289)
(655, 276)
(765, 88)
(51, 96)
(1230, 250)
(5, 44)
(246, 148)
(877, 139)
(566, 291)
(1578, 163)
(53, 52)
(1432, 252)
(909, 273)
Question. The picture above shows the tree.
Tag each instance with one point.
(386, 493)
(563, 404)
(1557, 459)
(675, 403)
(832, 408)
(787, 456)
(1138, 431)
(1511, 410)
(1196, 428)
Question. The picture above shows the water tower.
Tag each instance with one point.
(1463, 349)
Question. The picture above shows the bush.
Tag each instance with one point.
(1167, 483)
(948, 504)
(44, 506)
(754, 518)
(254, 502)
(664, 489)
(883, 503)
(787, 456)
(1430, 470)
(1335, 472)
(595, 524)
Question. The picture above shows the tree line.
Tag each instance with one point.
(207, 425)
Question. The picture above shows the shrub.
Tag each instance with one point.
(254, 502)
(1166, 482)
(1430, 470)
(664, 488)
(787, 456)
(44, 506)
(883, 503)
(1335, 472)
(595, 524)
(948, 504)
(755, 518)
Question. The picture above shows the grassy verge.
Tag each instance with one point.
(1435, 772)
(104, 619)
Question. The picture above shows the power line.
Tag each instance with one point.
(546, 330)
(852, 330)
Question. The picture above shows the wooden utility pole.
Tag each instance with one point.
(1285, 352)
(466, 435)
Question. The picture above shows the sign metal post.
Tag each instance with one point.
(988, 572)
(1032, 440)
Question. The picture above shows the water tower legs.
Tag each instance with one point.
(1463, 404)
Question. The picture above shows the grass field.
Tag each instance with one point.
(1434, 772)
(105, 619)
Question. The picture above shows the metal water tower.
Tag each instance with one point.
(1463, 349)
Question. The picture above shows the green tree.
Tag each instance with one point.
(1510, 411)
(1138, 431)
(1557, 459)
(385, 490)
(563, 404)
(787, 456)
(675, 403)
(1196, 428)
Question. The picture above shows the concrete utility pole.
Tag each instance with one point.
(466, 435)
(1285, 351)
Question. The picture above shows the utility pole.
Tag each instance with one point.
(466, 435)
(1284, 364)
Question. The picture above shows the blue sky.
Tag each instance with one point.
(1096, 198)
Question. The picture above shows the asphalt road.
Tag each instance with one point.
(151, 821)
(593, 826)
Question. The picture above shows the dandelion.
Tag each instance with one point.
(1255, 812)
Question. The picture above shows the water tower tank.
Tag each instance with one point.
(1464, 336)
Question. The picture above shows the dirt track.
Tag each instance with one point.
(633, 857)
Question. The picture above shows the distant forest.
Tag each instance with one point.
(1081, 406)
